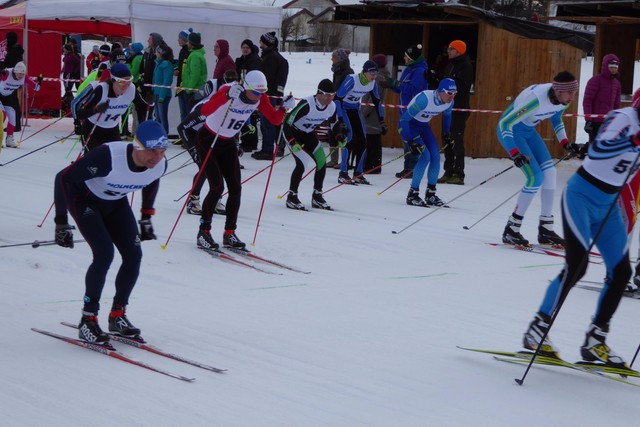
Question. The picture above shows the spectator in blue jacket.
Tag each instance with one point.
(413, 80)
(162, 80)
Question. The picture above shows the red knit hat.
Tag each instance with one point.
(380, 60)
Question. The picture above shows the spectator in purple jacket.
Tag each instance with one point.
(601, 95)
(225, 62)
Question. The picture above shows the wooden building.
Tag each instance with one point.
(509, 55)
(617, 26)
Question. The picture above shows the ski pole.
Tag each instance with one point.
(395, 182)
(26, 118)
(455, 198)
(581, 267)
(40, 130)
(37, 243)
(365, 172)
(37, 149)
(266, 187)
(469, 227)
(200, 172)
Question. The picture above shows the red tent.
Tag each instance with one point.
(43, 47)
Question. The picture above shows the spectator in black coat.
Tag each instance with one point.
(249, 61)
(341, 68)
(183, 42)
(276, 70)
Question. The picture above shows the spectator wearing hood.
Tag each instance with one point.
(601, 95)
(248, 61)
(70, 69)
(225, 62)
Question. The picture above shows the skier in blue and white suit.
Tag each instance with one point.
(348, 97)
(590, 211)
(94, 191)
(517, 134)
(416, 131)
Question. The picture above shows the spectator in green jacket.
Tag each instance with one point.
(194, 73)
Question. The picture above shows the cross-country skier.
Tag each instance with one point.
(348, 99)
(299, 128)
(517, 134)
(416, 131)
(590, 210)
(226, 112)
(11, 79)
(94, 191)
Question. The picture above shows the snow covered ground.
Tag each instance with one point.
(367, 339)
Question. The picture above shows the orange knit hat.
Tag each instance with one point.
(459, 45)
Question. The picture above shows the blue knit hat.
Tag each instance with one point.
(137, 47)
(447, 85)
(184, 34)
(151, 136)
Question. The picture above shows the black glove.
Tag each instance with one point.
(101, 108)
(77, 127)
(384, 129)
(447, 140)
(519, 159)
(40, 79)
(416, 147)
(64, 235)
(146, 229)
(584, 150)
(588, 127)
(572, 149)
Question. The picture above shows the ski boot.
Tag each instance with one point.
(538, 327)
(546, 235)
(413, 198)
(596, 350)
(89, 329)
(119, 324)
(511, 235)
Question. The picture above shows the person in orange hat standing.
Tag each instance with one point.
(461, 69)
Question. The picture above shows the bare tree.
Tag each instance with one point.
(331, 36)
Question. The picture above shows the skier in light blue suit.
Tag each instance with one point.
(416, 132)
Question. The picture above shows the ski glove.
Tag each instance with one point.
(251, 129)
(589, 127)
(571, 147)
(519, 159)
(447, 140)
(64, 235)
(146, 230)
(417, 147)
(295, 148)
(384, 129)
(101, 108)
(77, 127)
(289, 102)
(235, 91)
(342, 142)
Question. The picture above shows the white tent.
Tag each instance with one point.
(233, 21)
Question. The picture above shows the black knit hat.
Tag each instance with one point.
(269, 39)
(370, 67)
(326, 86)
(105, 49)
(195, 39)
(414, 51)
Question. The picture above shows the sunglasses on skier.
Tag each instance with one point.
(122, 79)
